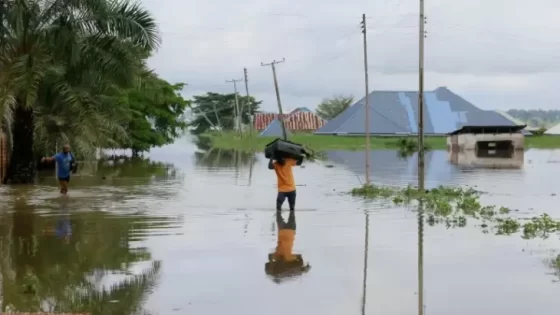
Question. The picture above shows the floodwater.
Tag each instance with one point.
(189, 232)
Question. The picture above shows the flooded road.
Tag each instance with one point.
(190, 233)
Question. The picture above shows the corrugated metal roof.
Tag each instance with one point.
(299, 121)
(488, 129)
(274, 129)
(393, 112)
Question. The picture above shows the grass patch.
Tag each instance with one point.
(453, 206)
(543, 142)
(229, 140)
(405, 145)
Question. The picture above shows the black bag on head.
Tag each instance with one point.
(280, 149)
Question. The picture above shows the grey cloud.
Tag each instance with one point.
(498, 42)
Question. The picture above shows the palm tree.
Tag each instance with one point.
(62, 62)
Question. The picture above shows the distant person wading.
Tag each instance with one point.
(65, 165)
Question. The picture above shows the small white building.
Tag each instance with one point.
(486, 138)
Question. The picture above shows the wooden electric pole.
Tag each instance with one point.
(237, 116)
(364, 32)
(421, 36)
(248, 101)
(272, 65)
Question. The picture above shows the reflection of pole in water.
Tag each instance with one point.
(237, 165)
(420, 257)
(217, 160)
(366, 250)
(251, 167)
(421, 233)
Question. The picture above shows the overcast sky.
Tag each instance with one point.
(498, 54)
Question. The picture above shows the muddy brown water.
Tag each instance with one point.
(190, 232)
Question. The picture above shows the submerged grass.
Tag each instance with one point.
(453, 206)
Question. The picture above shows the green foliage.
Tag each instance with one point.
(155, 115)
(539, 132)
(407, 146)
(332, 107)
(80, 66)
(214, 111)
(452, 206)
(65, 60)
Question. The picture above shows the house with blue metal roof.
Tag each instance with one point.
(396, 113)
(274, 129)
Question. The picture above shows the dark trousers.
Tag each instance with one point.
(282, 197)
(283, 225)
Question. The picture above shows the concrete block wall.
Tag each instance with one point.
(462, 142)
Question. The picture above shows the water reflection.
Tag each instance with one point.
(421, 187)
(283, 264)
(223, 158)
(60, 255)
(55, 263)
(85, 252)
(366, 254)
(512, 159)
(554, 264)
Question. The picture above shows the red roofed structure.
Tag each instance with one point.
(297, 120)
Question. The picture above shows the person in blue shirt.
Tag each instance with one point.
(64, 162)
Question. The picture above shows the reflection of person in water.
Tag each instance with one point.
(283, 263)
(64, 229)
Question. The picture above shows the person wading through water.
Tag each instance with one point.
(285, 179)
(65, 164)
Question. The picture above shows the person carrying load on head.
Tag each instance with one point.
(285, 178)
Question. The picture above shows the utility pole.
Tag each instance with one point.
(237, 116)
(248, 102)
(272, 65)
(364, 32)
(421, 37)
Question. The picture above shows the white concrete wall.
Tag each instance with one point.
(468, 141)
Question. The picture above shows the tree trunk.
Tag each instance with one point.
(22, 162)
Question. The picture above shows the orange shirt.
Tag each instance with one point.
(285, 175)
(285, 245)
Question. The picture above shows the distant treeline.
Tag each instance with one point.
(536, 117)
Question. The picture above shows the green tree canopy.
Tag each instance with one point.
(332, 107)
(62, 62)
(156, 110)
(214, 110)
